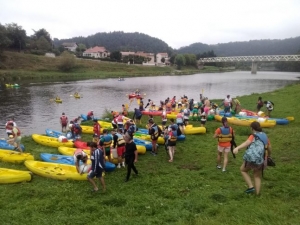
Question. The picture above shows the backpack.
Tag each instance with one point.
(256, 150)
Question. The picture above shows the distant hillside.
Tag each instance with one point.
(120, 41)
(255, 47)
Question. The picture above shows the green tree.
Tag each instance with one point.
(80, 49)
(116, 55)
(42, 33)
(4, 40)
(17, 36)
(43, 44)
(67, 61)
(179, 61)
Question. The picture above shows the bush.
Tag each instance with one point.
(67, 61)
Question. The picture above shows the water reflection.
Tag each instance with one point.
(34, 111)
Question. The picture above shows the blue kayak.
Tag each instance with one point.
(63, 159)
(84, 117)
(145, 131)
(56, 134)
(5, 145)
(222, 113)
(147, 144)
(279, 121)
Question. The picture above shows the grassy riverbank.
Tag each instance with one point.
(19, 66)
(188, 191)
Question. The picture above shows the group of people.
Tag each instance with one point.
(269, 106)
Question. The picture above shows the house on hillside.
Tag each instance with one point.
(127, 54)
(159, 57)
(96, 52)
(148, 56)
(70, 46)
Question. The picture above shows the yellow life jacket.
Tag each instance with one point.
(226, 134)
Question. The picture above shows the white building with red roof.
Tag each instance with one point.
(96, 52)
(159, 56)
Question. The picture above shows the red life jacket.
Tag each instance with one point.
(8, 122)
(97, 128)
(18, 133)
(120, 119)
(64, 120)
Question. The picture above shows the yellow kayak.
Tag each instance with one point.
(147, 137)
(8, 176)
(189, 129)
(58, 100)
(76, 96)
(14, 156)
(50, 141)
(247, 122)
(89, 129)
(54, 170)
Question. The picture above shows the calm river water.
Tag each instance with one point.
(33, 111)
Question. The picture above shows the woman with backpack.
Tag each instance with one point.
(254, 157)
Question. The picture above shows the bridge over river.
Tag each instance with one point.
(253, 59)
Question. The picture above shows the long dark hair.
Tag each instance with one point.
(256, 126)
(225, 122)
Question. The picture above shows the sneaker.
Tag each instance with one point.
(250, 190)
(119, 166)
(219, 167)
(223, 170)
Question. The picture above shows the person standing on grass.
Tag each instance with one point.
(137, 116)
(224, 135)
(237, 107)
(131, 156)
(269, 106)
(96, 128)
(255, 161)
(105, 143)
(119, 143)
(98, 165)
(154, 131)
(172, 139)
(260, 104)
(63, 122)
(16, 133)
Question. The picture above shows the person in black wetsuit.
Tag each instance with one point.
(131, 156)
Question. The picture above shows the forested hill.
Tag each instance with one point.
(120, 41)
(247, 48)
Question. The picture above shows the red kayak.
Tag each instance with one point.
(251, 113)
(134, 96)
(81, 144)
(152, 113)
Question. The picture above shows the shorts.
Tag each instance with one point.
(180, 124)
(270, 110)
(186, 120)
(114, 126)
(9, 133)
(171, 143)
(253, 166)
(227, 109)
(154, 142)
(206, 109)
(224, 149)
(258, 107)
(138, 117)
(92, 174)
(18, 140)
(64, 125)
(120, 126)
(120, 150)
(164, 123)
(107, 151)
(203, 122)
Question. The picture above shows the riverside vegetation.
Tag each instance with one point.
(19, 66)
(188, 191)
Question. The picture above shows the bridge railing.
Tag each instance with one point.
(260, 58)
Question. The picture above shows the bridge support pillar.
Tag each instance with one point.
(254, 68)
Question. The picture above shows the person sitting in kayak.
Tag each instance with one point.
(137, 92)
(124, 110)
(90, 115)
(57, 98)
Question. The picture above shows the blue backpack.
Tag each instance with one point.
(255, 152)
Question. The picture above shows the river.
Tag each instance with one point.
(33, 109)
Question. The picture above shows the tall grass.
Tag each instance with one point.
(188, 191)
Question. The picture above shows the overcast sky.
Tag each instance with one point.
(177, 22)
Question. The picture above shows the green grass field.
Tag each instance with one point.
(19, 66)
(188, 191)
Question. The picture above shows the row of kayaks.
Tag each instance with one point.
(12, 85)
